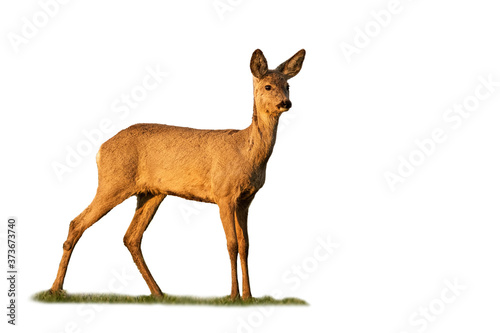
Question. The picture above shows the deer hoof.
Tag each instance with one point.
(157, 295)
(235, 297)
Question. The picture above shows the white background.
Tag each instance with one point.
(349, 123)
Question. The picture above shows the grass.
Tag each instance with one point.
(63, 297)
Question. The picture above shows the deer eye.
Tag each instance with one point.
(268, 87)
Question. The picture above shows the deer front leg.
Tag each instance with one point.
(241, 215)
(226, 211)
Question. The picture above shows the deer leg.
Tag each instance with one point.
(227, 217)
(100, 206)
(241, 215)
(147, 204)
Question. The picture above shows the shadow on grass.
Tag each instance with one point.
(63, 297)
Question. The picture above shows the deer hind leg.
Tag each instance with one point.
(227, 212)
(147, 204)
(103, 202)
(241, 215)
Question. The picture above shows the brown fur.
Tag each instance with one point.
(225, 167)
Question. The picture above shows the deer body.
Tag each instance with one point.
(157, 158)
(225, 167)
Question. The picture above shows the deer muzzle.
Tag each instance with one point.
(284, 105)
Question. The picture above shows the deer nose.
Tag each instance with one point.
(286, 104)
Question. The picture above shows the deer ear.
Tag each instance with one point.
(258, 64)
(292, 66)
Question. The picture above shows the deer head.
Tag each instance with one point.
(270, 87)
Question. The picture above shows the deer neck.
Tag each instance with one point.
(261, 136)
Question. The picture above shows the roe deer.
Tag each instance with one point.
(225, 167)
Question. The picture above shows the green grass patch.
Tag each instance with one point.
(63, 297)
